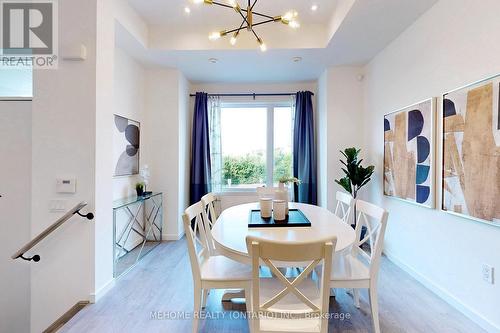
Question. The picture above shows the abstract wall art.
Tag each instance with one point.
(409, 154)
(471, 151)
(126, 143)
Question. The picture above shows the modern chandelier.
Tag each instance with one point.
(248, 23)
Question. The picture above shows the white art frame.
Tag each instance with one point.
(495, 79)
(431, 202)
(125, 165)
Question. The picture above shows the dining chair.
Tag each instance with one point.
(210, 272)
(208, 201)
(281, 304)
(266, 192)
(345, 203)
(361, 267)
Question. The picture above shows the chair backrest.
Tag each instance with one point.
(266, 192)
(267, 252)
(345, 203)
(374, 219)
(208, 201)
(194, 227)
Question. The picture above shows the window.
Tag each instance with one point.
(256, 145)
(16, 82)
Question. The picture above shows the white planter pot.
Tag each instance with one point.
(282, 194)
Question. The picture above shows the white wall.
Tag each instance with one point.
(231, 199)
(15, 208)
(453, 44)
(322, 109)
(341, 125)
(63, 144)
(129, 81)
(166, 138)
(184, 147)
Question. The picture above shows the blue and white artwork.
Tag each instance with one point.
(408, 154)
(126, 143)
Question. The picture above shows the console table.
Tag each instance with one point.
(137, 229)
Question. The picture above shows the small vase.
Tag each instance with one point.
(282, 194)
(140, 191)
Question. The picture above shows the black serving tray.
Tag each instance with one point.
(295, 218)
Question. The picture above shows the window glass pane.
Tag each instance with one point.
(283, 143)
(243, 140)
(16, 82)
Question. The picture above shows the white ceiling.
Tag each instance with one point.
(367, 28)
(160, 12)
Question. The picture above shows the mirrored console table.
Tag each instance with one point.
(137, 229)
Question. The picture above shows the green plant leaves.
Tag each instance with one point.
(356, 176)
(345, 183)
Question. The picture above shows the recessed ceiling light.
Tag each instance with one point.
(314, 7)
(213, 60)
(297, 59)
(187, 10)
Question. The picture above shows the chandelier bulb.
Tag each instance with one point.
(216, 35)
(263, 46)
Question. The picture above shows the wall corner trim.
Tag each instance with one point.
(172, 237)
(95, 297)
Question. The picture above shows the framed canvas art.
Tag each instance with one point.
(471, 151)
(409, 154)
(126, 143)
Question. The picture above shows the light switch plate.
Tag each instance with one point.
(488, 272)
(66, 185)
(56, 206)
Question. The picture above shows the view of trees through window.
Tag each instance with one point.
(245, 142)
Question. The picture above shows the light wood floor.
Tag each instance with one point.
(162, 283)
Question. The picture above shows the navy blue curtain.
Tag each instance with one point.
(304, 150)
(200, 151)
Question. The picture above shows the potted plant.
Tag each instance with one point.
(287, 180)
(356, 176)
(282, 192)
(139, 188)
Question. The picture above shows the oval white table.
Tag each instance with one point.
(231, 229)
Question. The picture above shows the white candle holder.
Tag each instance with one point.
(279, 210)
(266, 207)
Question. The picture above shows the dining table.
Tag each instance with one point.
(231, 230)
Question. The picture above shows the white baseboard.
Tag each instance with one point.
(172, 237)
(445, 295)
(101, 292)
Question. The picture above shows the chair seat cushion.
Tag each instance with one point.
(219, 268)
(349, 267)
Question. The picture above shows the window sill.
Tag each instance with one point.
(238, 192)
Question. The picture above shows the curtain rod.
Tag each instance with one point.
(249, 95)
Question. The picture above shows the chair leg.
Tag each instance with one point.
(197, 308)
(356, 297)
(205, 297)
(250, 318)
(374, 307)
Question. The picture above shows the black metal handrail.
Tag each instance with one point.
(49, 230)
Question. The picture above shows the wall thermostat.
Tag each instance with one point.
(66, 185)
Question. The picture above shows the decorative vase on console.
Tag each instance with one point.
(282, 191)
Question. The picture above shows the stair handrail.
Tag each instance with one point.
(41, 236)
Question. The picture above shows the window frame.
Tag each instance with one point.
(269, 106)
